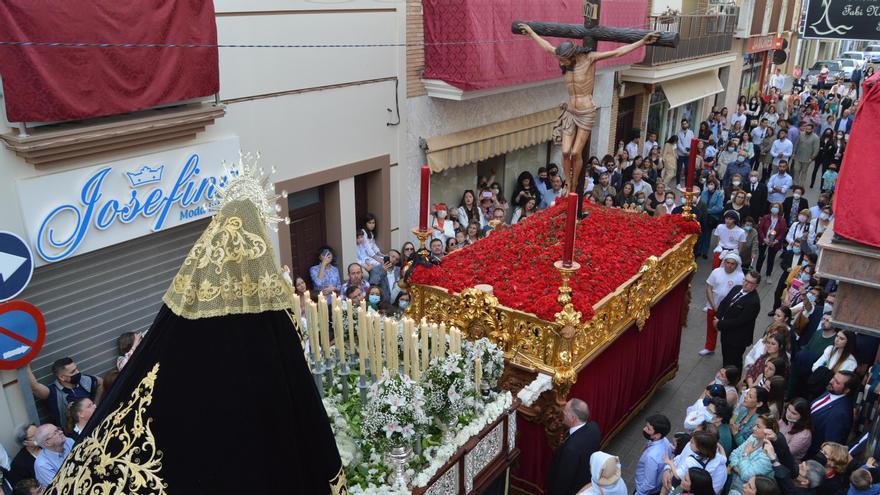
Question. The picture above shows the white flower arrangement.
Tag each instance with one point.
(345, 442)
(437, 457)
(449, 388)
(491, 358)
(394, 412)
(530, 393)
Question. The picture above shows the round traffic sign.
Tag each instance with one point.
(16, 265)
(22, 333)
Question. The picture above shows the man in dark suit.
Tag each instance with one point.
(758, 199)
(832, 413)
(570, 467)
(735, 319)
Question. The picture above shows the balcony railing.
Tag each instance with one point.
(699, 36)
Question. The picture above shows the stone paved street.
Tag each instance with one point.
(694, 371)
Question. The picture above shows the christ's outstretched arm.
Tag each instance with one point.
(526, 29)
(623, 50)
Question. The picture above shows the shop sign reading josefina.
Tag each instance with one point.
(81, 210)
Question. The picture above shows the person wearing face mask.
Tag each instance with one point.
(772, 230)
(800, 230)
(793, 205)
(726, 157)
(756, 192)
(818, 227)
(795, 427)
(667, 206)
(748, 253)
(402, 302)
(714, 201)
(68, 386)
(441, 225)
(374, 299)
(829, 179)
(649, 470)
(739, 167)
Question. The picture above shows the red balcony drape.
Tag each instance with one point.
(469, 43)
(58, 83)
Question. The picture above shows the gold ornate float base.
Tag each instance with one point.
(560, 348)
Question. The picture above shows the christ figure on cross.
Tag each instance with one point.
(575, 124)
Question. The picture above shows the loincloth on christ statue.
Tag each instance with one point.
(572, 118)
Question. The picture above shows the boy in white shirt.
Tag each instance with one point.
(729, 237)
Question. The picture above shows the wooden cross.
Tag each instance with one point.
(590, 32)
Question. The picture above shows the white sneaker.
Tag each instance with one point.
(706, 352)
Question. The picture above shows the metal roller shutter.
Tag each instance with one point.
(89, 300)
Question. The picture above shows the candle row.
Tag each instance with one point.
(380, 339)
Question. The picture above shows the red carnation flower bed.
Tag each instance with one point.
(517, 262)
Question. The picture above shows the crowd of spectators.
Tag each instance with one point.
(780, 419)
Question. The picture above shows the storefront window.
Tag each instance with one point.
(751, 74)
(657, 116)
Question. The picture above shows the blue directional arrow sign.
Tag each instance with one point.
(16, 265)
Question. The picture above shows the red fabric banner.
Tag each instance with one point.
(855, 213)
(496, 57)
(59, 83)
(613, 385)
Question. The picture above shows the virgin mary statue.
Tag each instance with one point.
(218, 397)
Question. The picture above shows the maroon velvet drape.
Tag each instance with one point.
(469, 43)
(613, 384)
(59, 83)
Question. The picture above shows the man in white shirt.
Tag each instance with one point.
(779, 184)
(640, 185)
(719, 283)
(782, 148)
(682, 148)
(633, 146)
(739, 116)
(649, 144)
(778, 80)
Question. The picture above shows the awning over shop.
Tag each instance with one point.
(472, 145)
(692, 88)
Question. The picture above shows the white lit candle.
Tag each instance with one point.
(426, 356)
(339, 331)
(407, 334)
(414, 348)
(478, 374)
(313, 332)
(362, 339)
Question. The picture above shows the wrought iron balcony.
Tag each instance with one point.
(699, 36)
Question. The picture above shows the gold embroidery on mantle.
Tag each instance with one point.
(119, 456)
(563, 347)
(231, 269)
(225, 241)
(339, 483)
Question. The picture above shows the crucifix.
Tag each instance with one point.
(578, 65)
